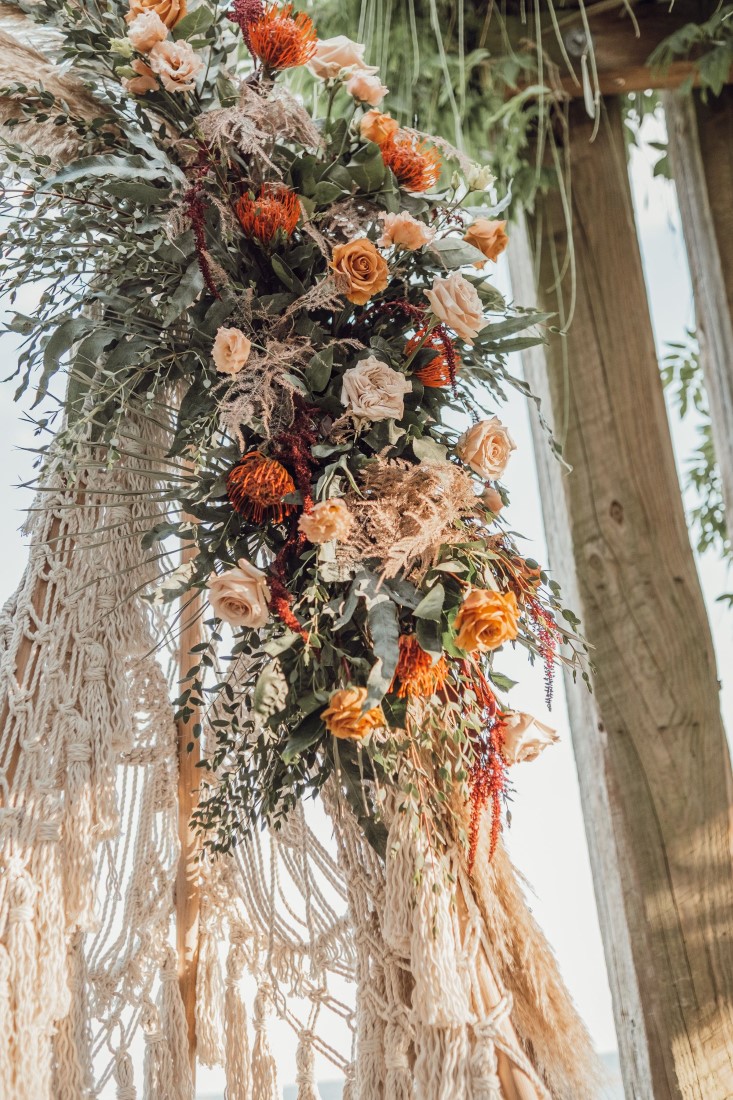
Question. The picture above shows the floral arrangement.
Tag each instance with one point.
(312, 292)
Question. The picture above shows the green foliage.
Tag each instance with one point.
(708, 44)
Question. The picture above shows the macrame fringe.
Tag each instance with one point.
(304, 1068)
(236, 1045)
(209, 1003)
(264, 1068)
(173, 1024)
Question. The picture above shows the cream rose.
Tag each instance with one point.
(486, 447)
(491, 497)
(405, 231)
(145, 81)
(488, 237)
(333, 55)
(170, 11)
(146, 31)
(326, 521)
(377, 127)
(240, 596)
(176, 64)
(373, 391)
(525, 737)
(230, 351)
(366, 87)
(454, 301)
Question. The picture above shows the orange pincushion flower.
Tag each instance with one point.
(256, 487)
(415, 672)
(440, 371)
(280, 39)
(276, 209)
(415, 164)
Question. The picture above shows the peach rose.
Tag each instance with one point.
(326, 521)
(230, 351)
(488, 237)
(366, 87)
(455, 301)
(170, 11)
(146, 31)
(240, 596)
(333, 55)
(377, 127)
(525, 737)
(343, 716)
(486, 619)
(145, 81)
(491, 497)
(405, 231)
(176, 64)
(486, 447)
(373, 391)
(363, 270)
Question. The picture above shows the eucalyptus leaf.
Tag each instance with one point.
(431, 605)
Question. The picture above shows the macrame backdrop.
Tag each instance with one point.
(456, 992)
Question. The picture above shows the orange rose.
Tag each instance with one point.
(363, 270)
(170, 11)
(488, 237)
(343, 715)
(486, 619)
(377, 127)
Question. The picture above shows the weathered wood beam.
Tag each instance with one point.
(652, 756)
(701, 154)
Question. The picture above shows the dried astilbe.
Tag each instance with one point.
(263, 392)
(347, 219)
(407, 512)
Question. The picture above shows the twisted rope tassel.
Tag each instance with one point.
(29, 1053)
(397, 1039)
(6, 1065)
(124, 1077)
(158, 1065)
(304, 1067)
(264, 1067)
(209, 1003)
(236, 1042)
(485, 1083)
(173, 1023)
(72, 1043)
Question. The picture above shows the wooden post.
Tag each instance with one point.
(651, 752)
(701, 153)
(187, 887)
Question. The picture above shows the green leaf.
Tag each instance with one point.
(285, 275)
(454, 252)
(384, 629)
(196, 22)
(185, 293)
(327, 193)
(83, 368)
(318, 371)
(429, 638)
(121, 168)
(501, 681)
(304, 737)
(67, 333)
(431, 605)
(367, 169)
(427, 449)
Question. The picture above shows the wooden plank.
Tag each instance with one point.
(187, 879)
(704, 181)
(653, 761)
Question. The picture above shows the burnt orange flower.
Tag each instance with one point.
(256, 487)
(415, 673)
(415, 164)
(281, 40)
(344, 716)
(441, 370)
(276, 209)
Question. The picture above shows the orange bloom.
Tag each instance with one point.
(256, 487)
(439, 371)
(343, 716)
(280, 39)
(415, 164)
(415, 672)
(275, 210)
(486, 619)
(362, 269)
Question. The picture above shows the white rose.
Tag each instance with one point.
(240, 596)
(336, 54)
(454, 301)
(230, 351)
(479, 177)
(404, 230)
(486, 448)
(373, 391)
(525, 737)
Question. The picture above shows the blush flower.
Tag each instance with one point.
(373, 391)
(405, 231)
(176, 64)
(328, 520)
(334, 55)
(377, 127)
(343, 716)
(230, 351)
(525, 737)
(146, 31)
(486, 447)
(240, 596)
(363, 270)
(486, 619)
(488, 237)
(169, 11)
(455, 301)
(491, 498)
(145, 81)
(366, 87)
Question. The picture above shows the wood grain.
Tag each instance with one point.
(653, 761)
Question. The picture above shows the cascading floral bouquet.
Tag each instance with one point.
(315, 293)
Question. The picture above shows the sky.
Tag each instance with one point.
(546, 838)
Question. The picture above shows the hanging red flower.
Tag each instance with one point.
(256, 487)
(415, 673)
